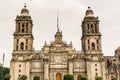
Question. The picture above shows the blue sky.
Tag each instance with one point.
(71, 13)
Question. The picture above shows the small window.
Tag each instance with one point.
(26, 41)
(95, 69)
(95, 64)
(93, 46)
(97, 41)
(92, 30)
(22, 46)
(114, 59)
(26, 47)
(88, 41)
(23, 27)
(17, 41)
(19, 70)
(16, 47)
(88, 47)
(18, 27)
(19, 75)
(19, 65)
(96, 28)
(96, 74)
(97, 47)
(26, 27)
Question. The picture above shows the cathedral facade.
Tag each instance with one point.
(58, 58)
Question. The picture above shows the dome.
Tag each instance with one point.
(89, 12)
(24, 11)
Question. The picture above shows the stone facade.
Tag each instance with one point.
(58, 58)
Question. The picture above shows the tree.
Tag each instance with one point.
(98, 78)
(113, 78)
(3, 71)
(7, 77)
(83, 78)
(68, 77)
(36, 78)
(23, 77)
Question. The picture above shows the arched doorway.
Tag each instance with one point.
(79, 77)
(58, 76)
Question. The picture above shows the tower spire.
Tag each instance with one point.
(58, 20)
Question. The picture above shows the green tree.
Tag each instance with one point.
(23, 77)
(3, 71)
(36, 78)
(98, 78)
(83, 78)
(7, 77)
(68, 77)
(113, 78)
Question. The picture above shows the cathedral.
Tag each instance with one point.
(58, 58)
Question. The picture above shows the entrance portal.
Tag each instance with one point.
(79, 77)
(58, 76)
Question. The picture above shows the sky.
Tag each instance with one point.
(71, 14)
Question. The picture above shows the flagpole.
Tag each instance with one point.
(2, 75)
(57, 19)
(3, 59)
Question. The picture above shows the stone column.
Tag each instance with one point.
(27, 70)
(70, 67)
(46, 71)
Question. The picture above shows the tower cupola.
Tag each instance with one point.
(91, 36)
(25, 11)
(89, 13)
(58, 36)
(23, 37)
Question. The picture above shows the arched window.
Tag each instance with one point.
(97, 47)
(17, 41)
(26, 27)
(97, 41)
(16, 47)
(88, 28)
(92, 29)
(96, 28)
(26, 47)
(22, 46)
(93, 46)
(23, 28)
(18, 27)
(26, 41)
(88, 41)
(88, 47)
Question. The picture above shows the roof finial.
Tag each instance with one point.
(89, 12)
(88, 7)
(24, 11)
(24, 5)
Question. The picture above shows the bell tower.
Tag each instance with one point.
(91, 46)
(23, 37)
(91, 37)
